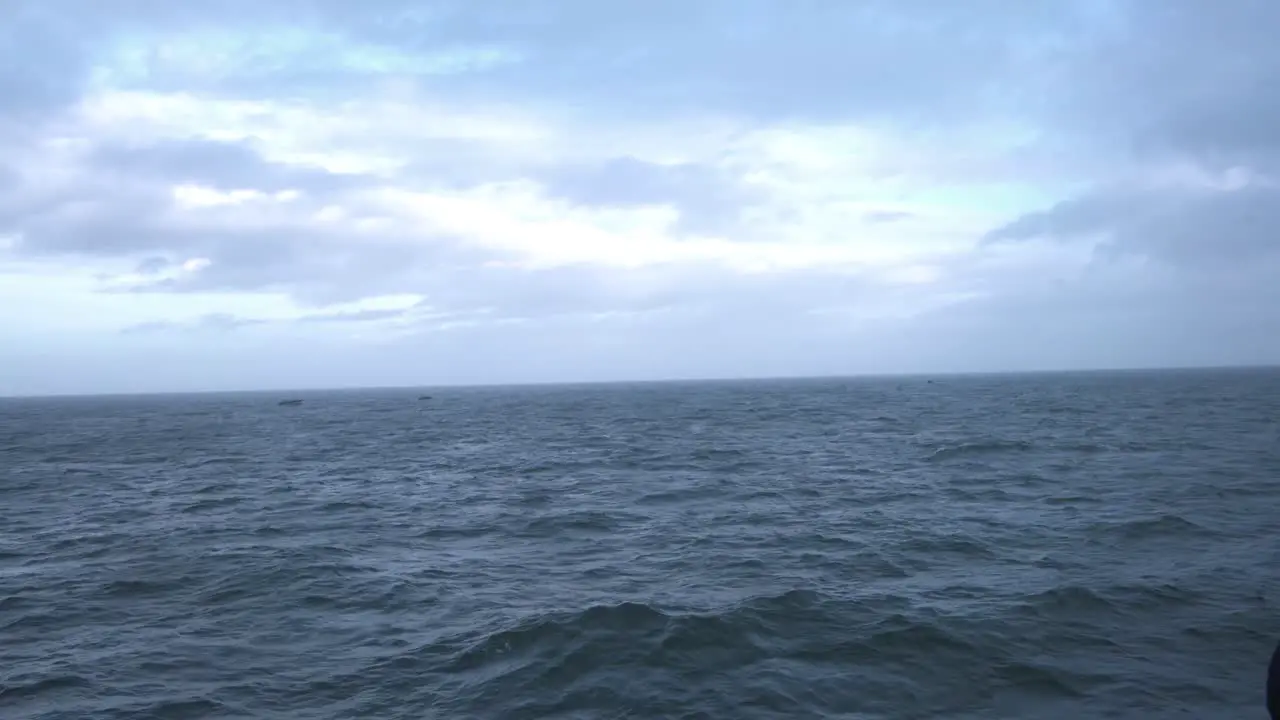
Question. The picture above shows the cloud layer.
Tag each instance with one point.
(249, 194)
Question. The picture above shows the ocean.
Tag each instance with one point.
(1091, 545)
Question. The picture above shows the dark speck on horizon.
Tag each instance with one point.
(1093, 545)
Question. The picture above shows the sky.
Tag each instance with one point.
(244, 194)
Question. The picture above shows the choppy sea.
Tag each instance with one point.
(1095, 545)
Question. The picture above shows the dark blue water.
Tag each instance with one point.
(1053, 546)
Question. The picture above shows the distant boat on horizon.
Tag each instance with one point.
(290, 402)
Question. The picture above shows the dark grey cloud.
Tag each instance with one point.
(223, 165)
(315, 266)
(1074, 218)
(92, 217)
(117, 202)
(48, 50)
(1156, 319)
(767, 58)
(1187, 96)
(153, 265)
(120, 205)
(1199, 230)
(1179, 78)
(43, 61)
(709, 199)
(1116, 68)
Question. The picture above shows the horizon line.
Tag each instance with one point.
(672, 380)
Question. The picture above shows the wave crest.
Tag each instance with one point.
(984, 447)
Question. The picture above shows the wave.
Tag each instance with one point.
(580, 521)
(929, 546)
(673, 497)
(780, 645)
(552, 660)
(1146, 528)
(207, 504)
(1071, 500)
(1068, 600)
(1075, 602)
(639, 634)
(981, 494)
(180, 710)
(217, 487)
(9, 603)
(215, 461)
(87, 542)
(343, 506)
(36, 688)
(461, 531)
(1069, 410)
(129, 589)
(986, 447)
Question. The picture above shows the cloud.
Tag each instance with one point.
(1188, 202)
(41, 62)
(1193, 97)
(641, 189)
(1192, 227)
(252, 224)
(764, 59)
(888, 216)
(708, 198)
(324, 236)
(217, 322)
(226, 322)
(219, 165)
(1184, 80)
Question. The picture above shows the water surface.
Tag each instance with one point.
(1040, 546)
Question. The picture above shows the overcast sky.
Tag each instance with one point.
(293, 193)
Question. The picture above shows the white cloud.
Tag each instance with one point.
(190, 197)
